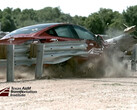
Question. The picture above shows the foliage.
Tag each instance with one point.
(101, 22)
(104, 20)
(130, 16)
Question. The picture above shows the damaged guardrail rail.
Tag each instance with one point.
(39, 54)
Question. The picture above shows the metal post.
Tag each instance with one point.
(134, 58)
(10, 63)
(39, 61)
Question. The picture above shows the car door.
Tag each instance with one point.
(61, 33)
(93, 46)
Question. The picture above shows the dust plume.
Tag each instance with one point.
(24, 72)
(113, 33)
(20, 72)
(109, 64)
(115, 65)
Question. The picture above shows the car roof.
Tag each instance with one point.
(45, 24)
(33, 28)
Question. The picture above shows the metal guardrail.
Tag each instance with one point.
(39, 54)
(47, 53)
(54, 53)
(58, 52)
(21, 55)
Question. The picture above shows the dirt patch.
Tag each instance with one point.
(74, 94)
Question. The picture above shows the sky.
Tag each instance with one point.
(72, 7)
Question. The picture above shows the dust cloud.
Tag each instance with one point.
(113, 33)
(20, 72)
(109, 64)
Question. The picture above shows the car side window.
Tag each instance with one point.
(83, 33)
(51, 32)
(64, 31)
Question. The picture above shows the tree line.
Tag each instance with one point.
(101, 22)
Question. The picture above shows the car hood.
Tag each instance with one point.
(16, 39)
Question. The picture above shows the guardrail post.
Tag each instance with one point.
(10, 63)
(39, 61)
(134, 58)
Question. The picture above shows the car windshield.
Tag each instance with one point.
(29, 29)
(84, 33)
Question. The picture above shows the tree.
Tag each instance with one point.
(7, 20)
(16, 15)
(27, 17)
(130, 15)
(79, 20)
(104, 20)
(7, 24)
(0, 14)
(48, 14)
(98, 22)
(94, 23)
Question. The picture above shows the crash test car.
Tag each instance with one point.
(51, 32)
(63, 32)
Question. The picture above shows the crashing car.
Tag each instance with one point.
(51, 32)
(70, 44)
(63, 32)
